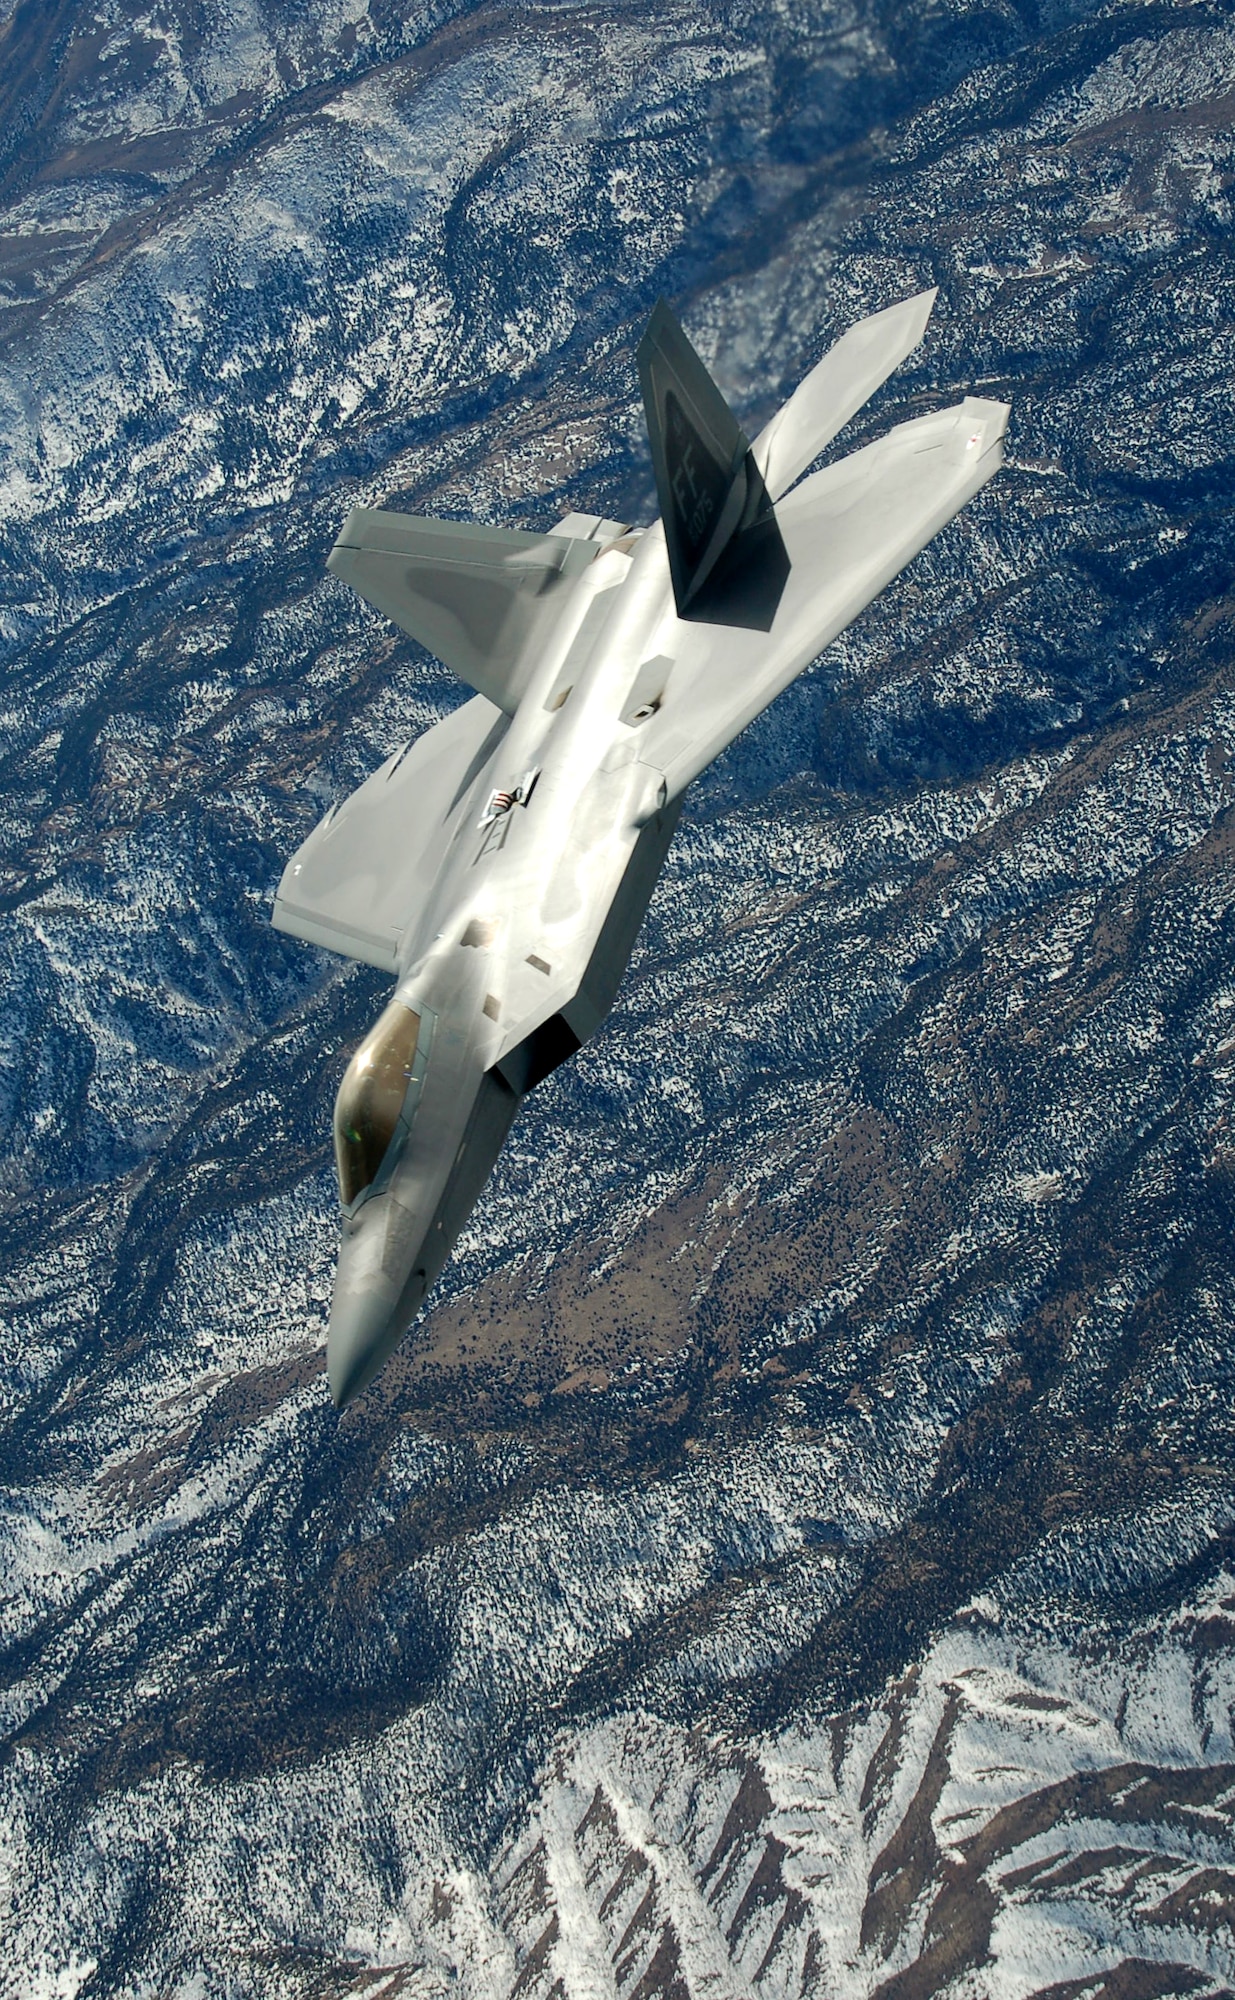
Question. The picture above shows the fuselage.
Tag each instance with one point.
(518, 893)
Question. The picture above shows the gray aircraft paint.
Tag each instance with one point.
(500, 865)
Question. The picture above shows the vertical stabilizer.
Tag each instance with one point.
(726, 556)
(836, 389)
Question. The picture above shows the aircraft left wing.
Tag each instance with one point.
(474, 596)
(848, 530)
(359, 883)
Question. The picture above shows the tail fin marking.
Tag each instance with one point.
(726, 556)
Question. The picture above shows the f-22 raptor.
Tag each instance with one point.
(500, 864)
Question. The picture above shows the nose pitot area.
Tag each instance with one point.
(367, 1313)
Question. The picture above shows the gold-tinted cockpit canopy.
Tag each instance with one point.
(377, 1101)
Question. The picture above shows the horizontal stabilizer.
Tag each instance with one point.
(359, 883)
(471, 595)
(836, 389)
(726, 556)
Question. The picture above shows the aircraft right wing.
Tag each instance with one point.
(359, 883)
(848, 530)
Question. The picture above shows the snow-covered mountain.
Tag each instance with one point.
(796, 1553)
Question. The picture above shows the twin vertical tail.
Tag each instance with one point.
(727, 559)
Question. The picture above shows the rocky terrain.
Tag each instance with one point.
(795, 1553)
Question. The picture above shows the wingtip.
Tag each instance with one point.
(900, 325)
(924, 304)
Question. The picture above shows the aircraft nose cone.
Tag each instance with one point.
(360, 1337)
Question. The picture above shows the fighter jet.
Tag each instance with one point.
(499, 865)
